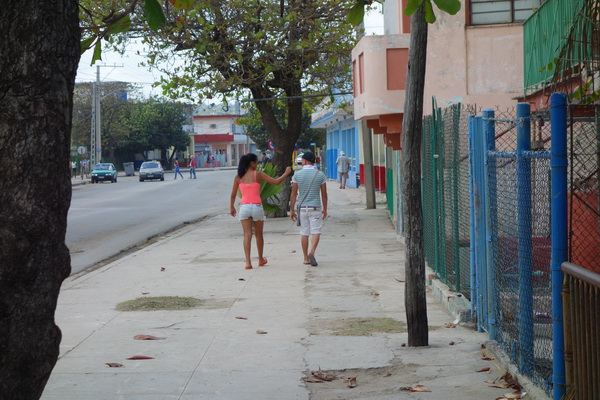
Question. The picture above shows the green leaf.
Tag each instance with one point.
(356, 14)
(182, 4)
(97, 53)
(154, 14)
(412, 6)
(87, 43)
(449, 6)
(121, 25)
(429, 14)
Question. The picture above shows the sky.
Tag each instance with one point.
(125, 68)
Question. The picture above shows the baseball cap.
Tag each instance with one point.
(342, 153)
(309, 156)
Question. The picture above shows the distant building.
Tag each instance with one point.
(215, 131)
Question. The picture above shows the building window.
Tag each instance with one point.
(396, 63)
(361, 73)
(486, 12)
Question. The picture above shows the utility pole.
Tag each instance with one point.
(96, 134)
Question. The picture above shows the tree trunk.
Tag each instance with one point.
(415, 301)
(39, 43)
(284, 139)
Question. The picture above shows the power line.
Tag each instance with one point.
(294, 97)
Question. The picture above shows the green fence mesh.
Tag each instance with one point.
(445, 192)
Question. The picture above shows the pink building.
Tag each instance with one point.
(474, 57)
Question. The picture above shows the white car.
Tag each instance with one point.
(299, 158)
(151, 170)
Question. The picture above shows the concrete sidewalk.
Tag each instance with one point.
(307, 312)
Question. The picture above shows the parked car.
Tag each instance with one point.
(104, 172)
(299, 158)
(151, 170)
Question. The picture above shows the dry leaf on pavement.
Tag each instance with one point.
(417, 388)
(163, 269)
(145, 293)
(486, 369)
(241, 318)
(450, 325)
(486, 358)
(147, 337)
(261, 332)
(115, 365)
(351, 382)
(452, 343)
(323, 375)
(140, 358)
(313, 380)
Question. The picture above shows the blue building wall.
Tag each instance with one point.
(342, 136)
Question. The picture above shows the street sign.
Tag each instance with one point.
(81, 150)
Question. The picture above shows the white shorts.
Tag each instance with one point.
(311, 222)
(254, 211)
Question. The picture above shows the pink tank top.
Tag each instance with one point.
(250, 192)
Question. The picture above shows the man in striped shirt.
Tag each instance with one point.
(309, 192)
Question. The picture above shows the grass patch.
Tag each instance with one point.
(367, 326)
(159, 303)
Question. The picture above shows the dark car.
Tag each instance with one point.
(151, 170)
(104, 172)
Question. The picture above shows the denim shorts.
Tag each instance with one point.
(254, 211)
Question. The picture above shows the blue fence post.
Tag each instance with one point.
(478, 208)
(526, 343)
(558, 166)
(472, 283)
(489, 137)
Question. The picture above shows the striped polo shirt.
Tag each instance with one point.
(303, 179)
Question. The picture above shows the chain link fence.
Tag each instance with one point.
(446, 196)
(519, 212)
(584, 177)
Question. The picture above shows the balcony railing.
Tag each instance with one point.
(581, 312)
(557, 30)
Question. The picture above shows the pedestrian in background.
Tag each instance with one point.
(193, 166)
(343, 164)
(252, 213)
(177, 170)
(309, 185)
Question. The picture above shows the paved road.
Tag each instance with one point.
(106, 218)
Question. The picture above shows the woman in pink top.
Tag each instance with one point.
(248, 181)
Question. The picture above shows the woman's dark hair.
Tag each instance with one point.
(245, 161)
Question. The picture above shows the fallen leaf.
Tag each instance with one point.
(342, 235)
(147, 337)
(351, 382)
(323, 375)
(313, 380)
(163, 269)
(145, 293)
(115, 365)
(403, 345)
(420, 388)
(241, 318)
(451, 343)
(486, 358)
(374, 293)
(241, 279)
(293, 251)
(500, 386)
(450, 325)
(486, 369)
(400, 280)
(140, 358)
(261, 332)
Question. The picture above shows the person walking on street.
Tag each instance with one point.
(309, 204)
(343, 164)
(177, 170)
(193, 167)
(252, 214)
